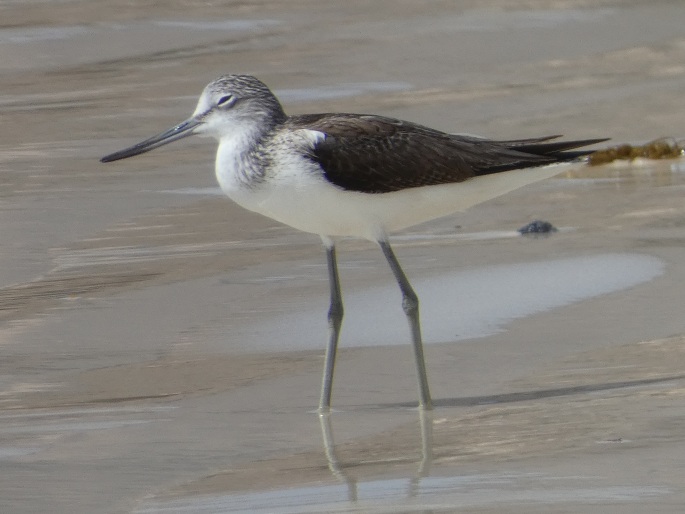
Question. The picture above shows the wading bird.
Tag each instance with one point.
(359, 175)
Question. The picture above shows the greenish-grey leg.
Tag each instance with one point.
(410, 304)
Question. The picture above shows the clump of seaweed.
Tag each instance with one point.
(663, 148)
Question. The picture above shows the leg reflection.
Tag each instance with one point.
(333, 463)
(338, 469)
(424, 469)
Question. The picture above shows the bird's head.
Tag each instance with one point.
(229, 104)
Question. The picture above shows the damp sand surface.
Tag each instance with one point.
(162, 348)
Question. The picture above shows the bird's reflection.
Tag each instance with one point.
(338, 468)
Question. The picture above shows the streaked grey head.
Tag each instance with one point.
(241, 96)
(229, 104)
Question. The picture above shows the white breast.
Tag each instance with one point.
(296, 193)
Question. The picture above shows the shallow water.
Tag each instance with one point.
(431, 494)
(475, 303)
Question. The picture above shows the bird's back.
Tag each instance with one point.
(376, 154)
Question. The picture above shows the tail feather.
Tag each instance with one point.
(557, 149)
(523, 153)
(515, 143)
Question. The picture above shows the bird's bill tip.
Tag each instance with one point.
(180, 131)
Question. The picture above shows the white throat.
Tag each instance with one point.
(234, 157)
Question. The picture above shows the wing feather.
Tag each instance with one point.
(376, 154)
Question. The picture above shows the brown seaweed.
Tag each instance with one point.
(662, 148)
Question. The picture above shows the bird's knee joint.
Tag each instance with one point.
(410, 304)
(335, 312)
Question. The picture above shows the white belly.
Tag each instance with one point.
(299, 196)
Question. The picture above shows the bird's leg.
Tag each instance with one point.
(335, 316)
(410, 304)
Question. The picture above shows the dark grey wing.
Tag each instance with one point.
(374, 154)
(377, 155)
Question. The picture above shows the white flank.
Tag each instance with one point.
(300, 196)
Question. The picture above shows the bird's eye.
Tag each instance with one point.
(225, 100)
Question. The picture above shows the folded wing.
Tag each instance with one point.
(375, 154)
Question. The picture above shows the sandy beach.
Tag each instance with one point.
(161, 348)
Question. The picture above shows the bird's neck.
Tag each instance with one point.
(240, 159)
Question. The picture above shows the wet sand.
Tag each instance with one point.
(162, 348)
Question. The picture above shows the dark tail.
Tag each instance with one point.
(556, 150)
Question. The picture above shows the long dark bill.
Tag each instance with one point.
(180, 131)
